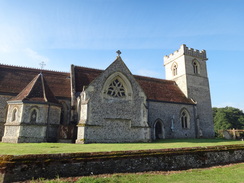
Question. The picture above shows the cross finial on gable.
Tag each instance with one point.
(42, 64)
(118, 52)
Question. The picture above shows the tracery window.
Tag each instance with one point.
(185, 119)
(33, 116)
(116, 89)
(174, 70)
(117, 86)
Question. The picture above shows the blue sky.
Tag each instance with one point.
(88, 33)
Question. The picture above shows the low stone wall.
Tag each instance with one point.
(26, 167)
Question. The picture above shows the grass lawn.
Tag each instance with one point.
(226, 174)
(51, 148)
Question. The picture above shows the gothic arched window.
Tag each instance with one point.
(185, 119)
(14, 115)
(117, 86)
(174, 69)
(116, 89)
(33, 116)
(195, 67)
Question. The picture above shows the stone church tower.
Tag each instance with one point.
(187, 67)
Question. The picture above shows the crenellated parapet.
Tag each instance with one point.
(184, 50)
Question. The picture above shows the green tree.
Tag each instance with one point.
(228, 118)
(241, 121)
(215, 109)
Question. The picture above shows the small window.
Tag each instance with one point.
(195, 67)
(116, 89)
(14, 115)
(174, 69)
(33, 116)
(185, 119)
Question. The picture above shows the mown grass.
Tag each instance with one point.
(227, 174)
(52, 148)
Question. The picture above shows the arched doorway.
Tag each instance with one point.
(159, 130)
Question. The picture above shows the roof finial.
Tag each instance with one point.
(118, 52)
(42, 64)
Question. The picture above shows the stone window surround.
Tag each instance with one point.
(162, 128)
(14, 114)
(174, 69)
(123, 80)
(116, 89)
(185, 124)
(196, 66)
(37, 114)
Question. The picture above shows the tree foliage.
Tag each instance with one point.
(228, 118)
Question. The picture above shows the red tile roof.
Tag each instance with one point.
(155, 89)
(14, 79)
(84, 76)
(162, 90)
(36, 91)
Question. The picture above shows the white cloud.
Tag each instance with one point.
(21, 57)
(5, 48)
(36, 56)
(150, 73)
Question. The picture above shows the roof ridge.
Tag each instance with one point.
(25, 67)
(148, 77)
(36, 90)
(135, 75)
(33, 80)
(43, 87)
(89, 68)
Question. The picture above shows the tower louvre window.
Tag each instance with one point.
(195, 67)
(174, 70)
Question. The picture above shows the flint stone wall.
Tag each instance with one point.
(26, 167)
(99, 113)
(165, 112)
(3, 112)
(22, 130)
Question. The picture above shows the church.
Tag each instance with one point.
(107, 106)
